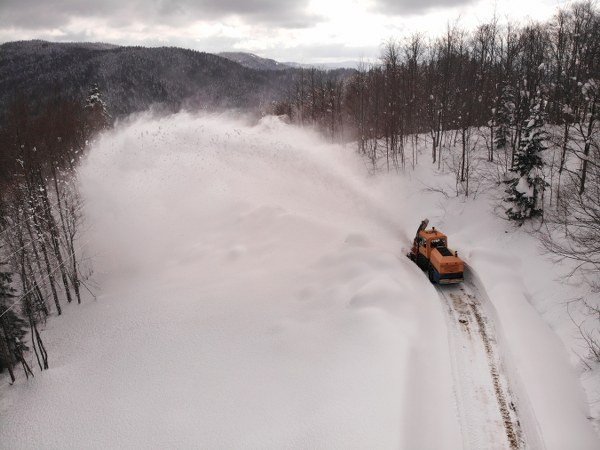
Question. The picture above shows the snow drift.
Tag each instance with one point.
(252, 294)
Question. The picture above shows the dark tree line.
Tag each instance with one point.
(41, 218)
(314, 97)
(491, 78)
(506, 82)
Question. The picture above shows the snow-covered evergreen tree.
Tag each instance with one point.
(504, 117)
(527, 185)
(98, 117)
(12, 328)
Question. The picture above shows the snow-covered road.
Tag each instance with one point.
(487, 407)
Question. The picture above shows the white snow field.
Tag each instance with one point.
(253, 293)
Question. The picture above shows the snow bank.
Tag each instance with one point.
(528, 300)
(537, 356)
(252, 294)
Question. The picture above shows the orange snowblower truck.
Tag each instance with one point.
(430, 252)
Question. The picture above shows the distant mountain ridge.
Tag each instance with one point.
(253, 61)
(350, 64)
(38, 45)
(133, 78)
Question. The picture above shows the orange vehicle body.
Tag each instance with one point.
(431, 253)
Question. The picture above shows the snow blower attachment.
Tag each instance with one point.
(430, 252)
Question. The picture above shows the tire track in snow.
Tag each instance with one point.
(486, 407)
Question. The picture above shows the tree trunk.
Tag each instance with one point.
(586, 148)
(464, 152)
(49, 270)
(68, 236)
(54, 238)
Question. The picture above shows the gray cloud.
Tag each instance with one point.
(27, 19)
(408, 7)
(40, 14)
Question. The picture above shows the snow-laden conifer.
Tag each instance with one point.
(12, 330)
(98, 116)
(504, 117)
(527, 183)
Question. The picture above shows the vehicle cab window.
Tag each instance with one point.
(440, 242)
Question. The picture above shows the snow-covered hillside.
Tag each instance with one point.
(253, 293)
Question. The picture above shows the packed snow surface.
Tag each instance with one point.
(253, 293)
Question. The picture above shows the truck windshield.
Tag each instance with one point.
(440, 242)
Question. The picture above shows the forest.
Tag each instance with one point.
(135, 79)
(41, 219)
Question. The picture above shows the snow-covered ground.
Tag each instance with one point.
(253, 293)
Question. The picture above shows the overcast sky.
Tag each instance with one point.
(308, 31)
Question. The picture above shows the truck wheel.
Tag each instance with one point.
(431, 278)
